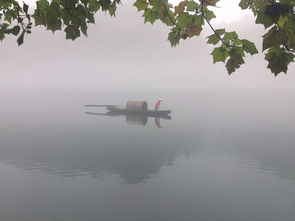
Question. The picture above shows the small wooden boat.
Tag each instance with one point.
(136, 112)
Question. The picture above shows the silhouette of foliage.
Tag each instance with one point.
(186, 20)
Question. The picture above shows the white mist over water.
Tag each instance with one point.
(224, 155)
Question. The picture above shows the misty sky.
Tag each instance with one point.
(125, 53)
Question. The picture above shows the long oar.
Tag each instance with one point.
(97, 105)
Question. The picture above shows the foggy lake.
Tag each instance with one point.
(225, 155)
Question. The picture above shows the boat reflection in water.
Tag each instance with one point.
(133, 118)
(136, 112)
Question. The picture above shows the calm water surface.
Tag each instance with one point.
(224, 156)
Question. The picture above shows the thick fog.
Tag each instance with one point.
(125, 53)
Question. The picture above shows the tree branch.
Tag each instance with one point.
(212, 28)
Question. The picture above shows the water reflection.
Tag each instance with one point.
(134, 119)
(268, 150)
(136, 155)
(132, 154)
(133, 164)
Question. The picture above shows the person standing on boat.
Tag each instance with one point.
(157, 106)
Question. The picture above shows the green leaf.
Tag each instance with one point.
(213, 39)
(156, 4)
(220, 31)
(277, 66)
(174, 36)
(94, 5)
(192, 6)
(169, 18)
(230, 36)
(39, 19)
(244, 4)
(105, 4)
(278, 60)
(112, 9)
(42, 4)
(150, 16)
(2, 36)
(25, 8)
(237, 42)
(274, 38)
(230, 66)
(84, 29)
(72, 32)
(54, 25)
(236, 59)
(291, 41)
(210, 2)
(219, 54)
(15, 30)
(249, 47)
(263, 19)
(141, 5)
(237, 54)
(198, 20)
(20, 39)
(209, 14)
(282, 20)
(275, 10)
(258, 4)
(52, 21)
(185, 19)
(8, 17)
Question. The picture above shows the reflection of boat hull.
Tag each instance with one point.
(151, 113)
(136, 112)
(139, 114)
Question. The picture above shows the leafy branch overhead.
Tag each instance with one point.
(186, 20)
